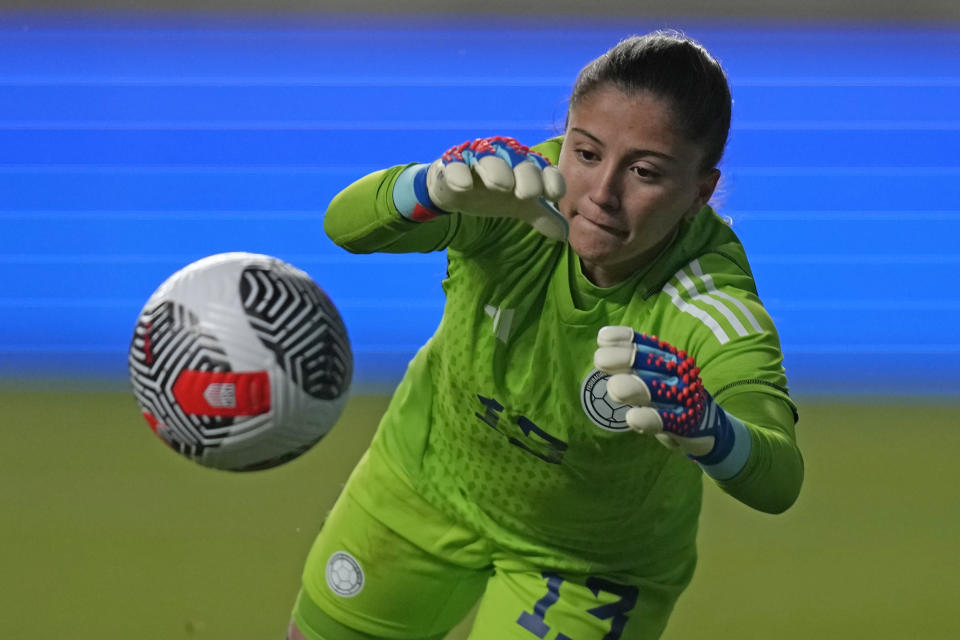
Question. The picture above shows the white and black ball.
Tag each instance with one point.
(240, 361)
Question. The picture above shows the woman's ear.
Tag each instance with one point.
(706, 186)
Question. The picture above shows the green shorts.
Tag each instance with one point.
(419, 577)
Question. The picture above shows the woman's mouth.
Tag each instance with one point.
(612, 229)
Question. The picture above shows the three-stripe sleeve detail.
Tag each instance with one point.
(696, 312)
(717, 310)
(711, 288)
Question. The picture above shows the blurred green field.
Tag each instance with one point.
(106, 534)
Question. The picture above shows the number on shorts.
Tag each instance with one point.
(616, 612)
(533, 622)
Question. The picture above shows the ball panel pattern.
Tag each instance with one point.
(297, 322)
(167, 341)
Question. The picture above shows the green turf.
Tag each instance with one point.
(107, 534)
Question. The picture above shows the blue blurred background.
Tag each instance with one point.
(131, 145)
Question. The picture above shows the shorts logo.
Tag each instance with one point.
(344, 575)
(599, 407)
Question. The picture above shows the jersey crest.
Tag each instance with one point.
(599, 406)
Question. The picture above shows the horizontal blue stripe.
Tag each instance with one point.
(826, 330)
(413, 80)
(840, 53)
(866, 330)
(851, 215)
(738, 217)
(810, 259)
(873, 349)
(121, 351)
(113, 327)
(341, 149)
(554, 126)
(733, 172)
(68, 304)
(302, 189)
(857, 259)
(404, 301)
(325, 126)
(866, 374)
(173, 261)
(949, 350)
(291, 104)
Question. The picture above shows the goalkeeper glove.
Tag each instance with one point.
(489, 177)
(668, 400)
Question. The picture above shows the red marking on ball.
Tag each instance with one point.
(223, 393)
(153, 422)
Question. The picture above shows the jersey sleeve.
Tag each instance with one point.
(748, 381)
(363, 219)
(770, 480)
(719, 320)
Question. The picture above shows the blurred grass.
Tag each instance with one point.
(107, 534)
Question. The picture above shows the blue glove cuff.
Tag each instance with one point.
(411, 197)
(731, 451)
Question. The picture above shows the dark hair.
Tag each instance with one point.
(672, 66)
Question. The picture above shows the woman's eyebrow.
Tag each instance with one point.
(633, 153)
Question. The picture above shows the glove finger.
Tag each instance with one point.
(457, 176)
(613, 360)
(667, 440)
(528, 183)
(511, 150)
(615, 336)
(627, 388)
(537, 158)
(554, 186)
(438, 186)
(644, 420)
(495, 173)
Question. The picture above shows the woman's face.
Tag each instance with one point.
(631, 177)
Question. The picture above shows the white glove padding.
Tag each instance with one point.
(511, 181)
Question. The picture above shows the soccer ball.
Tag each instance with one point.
(239, 361)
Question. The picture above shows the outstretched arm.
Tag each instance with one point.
(364, 219)
(452, 201)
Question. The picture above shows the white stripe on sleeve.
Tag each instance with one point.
(708, 299)
(711, 288)
(696, 312)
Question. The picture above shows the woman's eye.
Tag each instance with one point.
(646, 173)
(586, 156)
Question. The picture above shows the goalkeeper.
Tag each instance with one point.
(602, 348)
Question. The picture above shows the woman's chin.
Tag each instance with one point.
(594, 247)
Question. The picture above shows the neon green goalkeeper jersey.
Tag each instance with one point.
(502, 421)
